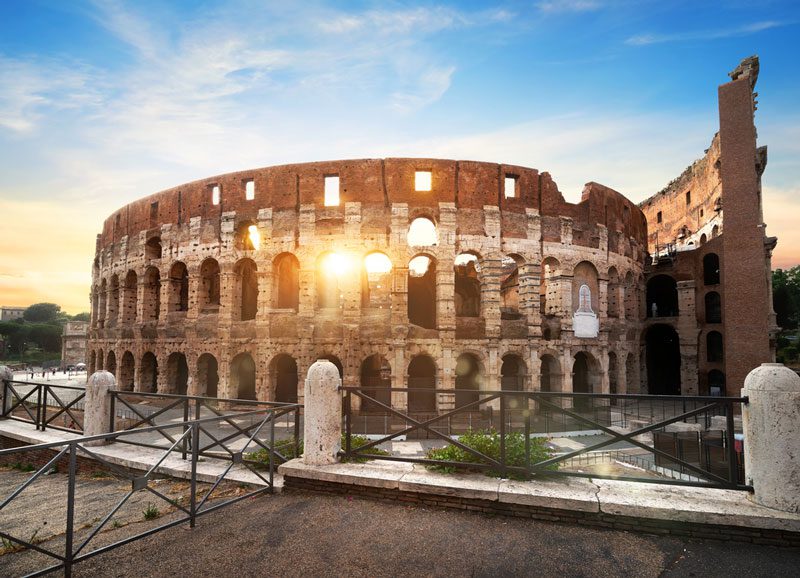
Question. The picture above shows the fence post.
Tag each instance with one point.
(771, 425)
(97, 409)
(322, 426)
(6, 375)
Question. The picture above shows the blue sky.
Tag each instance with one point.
(103, 102)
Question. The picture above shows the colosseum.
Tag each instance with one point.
(428, 273)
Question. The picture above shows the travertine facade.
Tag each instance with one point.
(234, 285)
(73, 342)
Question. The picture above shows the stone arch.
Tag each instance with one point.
(513, 373)
(327, 292)
(130, 297)
(549, 299)
(101, 304)
(243, 376)
(376, 281)
(663, 355)
(178, 296)
(467, 297)
(585, 275)
(550, 373)
(151, 295)
(422, 232)
(127, 372)
(469, 379)
(246, 272)
(152, 248)
(422, 291)
(148, 373)
(247, 236)
(662, 296)
(713, 305)
(714, 347)
(209, 298)
(422, 384)
(336, 361)
(177, 374)
(113, 301)
(207, 375)
(376, 377)
(509, 286)
(111, 363)
(101, 360)
(631, 297)
(714, 231)
(284, 378)
(613, 292)
(711, 269)
(286, 281)
(703, 239)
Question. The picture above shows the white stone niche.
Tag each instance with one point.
(585, 323)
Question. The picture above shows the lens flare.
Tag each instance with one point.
(255, 238)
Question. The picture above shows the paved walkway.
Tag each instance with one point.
(300, 534)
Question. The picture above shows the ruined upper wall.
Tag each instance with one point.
(377, 184)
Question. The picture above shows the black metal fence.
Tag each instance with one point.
(44, 405)
(552, 414)
(185, 439)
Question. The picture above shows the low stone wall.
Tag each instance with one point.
(601, 520)
(39, 458)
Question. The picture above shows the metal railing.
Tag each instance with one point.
(33, 406)
(185, 435)
(518, 411)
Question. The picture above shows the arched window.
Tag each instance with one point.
(585, 288)
(467, 286)
(714, 231)
(243, 376)
(177, 374)
(247, 279)
(209, 285)
(422, 292)
(283, 374)
(662, 297)
(714, 346)
(207, 375)
(421, 384)
(247, 237)
(101, 304)
(509, 287)
(376, 282)
(286, 284)
(178, 287)
(113, 301)
(127, 371)
(151, 296)
(468, 380)
(376, 378)
(713, 307)
(422, 233)
(148, 373)
(129, 298)
(111, 363)
(613, 292)
(711, 269)
(152, 249)
(548, 288)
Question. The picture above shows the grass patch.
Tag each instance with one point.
(286, 449)
(487, 442)
(151, 512)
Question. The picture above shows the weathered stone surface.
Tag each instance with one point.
(772, 436)
(5, 375)
(322, 433)
(577, 494)
(97, 405)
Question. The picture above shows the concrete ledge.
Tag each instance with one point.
(578, 494)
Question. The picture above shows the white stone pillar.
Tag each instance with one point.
(5, 401)
(771, 423)
(97, 408)
(322, 428)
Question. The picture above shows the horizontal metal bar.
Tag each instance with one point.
(202, 398)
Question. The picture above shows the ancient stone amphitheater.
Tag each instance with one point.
(415, 273)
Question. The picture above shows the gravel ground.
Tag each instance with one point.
(305, 534)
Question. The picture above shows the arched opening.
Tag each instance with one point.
(422, 384)
(716, 383)
(376, 378)
(101, 304)
(711, 269)
(582, 379)
(177, 374)
(101, 360)
(111, 363)
(467, 285)
(247, 237)
(703, 239)
(713, 307)
(468, 379)
(714, 231)
(113, 301)
(178, 287)
(247, 278)
(632, 384)
(127, 371)
(376, 282)
(613, 369)
(209, 286)
(509, 287)
(148, 373)
(95, 306)
(550, 374)
(549, 301)
(151, 295)
(327, 281)
(92, 362)
(631, 297)
(283, 371)
(243, 376)
(613, 292)
(585, 278)
(336, 361)
(129, 300)
(662, 297)
(286, 281)
(152, 249)
(714, 346)
(663, 356)
(422, 292)
(422, 233)
(512, 373)
(207, 375)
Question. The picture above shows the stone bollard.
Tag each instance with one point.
(5, 401)
(771, 423)
(322, 430)
(97, 407)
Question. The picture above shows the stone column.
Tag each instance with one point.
(771, 425)
(97, 408)
(5, 401)
(322, 429)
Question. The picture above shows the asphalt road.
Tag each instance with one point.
(304, 534)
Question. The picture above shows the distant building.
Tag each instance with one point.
(73, 342)
(11, 313)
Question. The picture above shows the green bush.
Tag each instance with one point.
(487, 442)
(286, 449)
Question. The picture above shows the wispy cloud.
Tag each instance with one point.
(746, 30)
(561, 6)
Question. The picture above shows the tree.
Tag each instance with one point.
(43, 313)
(786, 296)
(85, 316)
